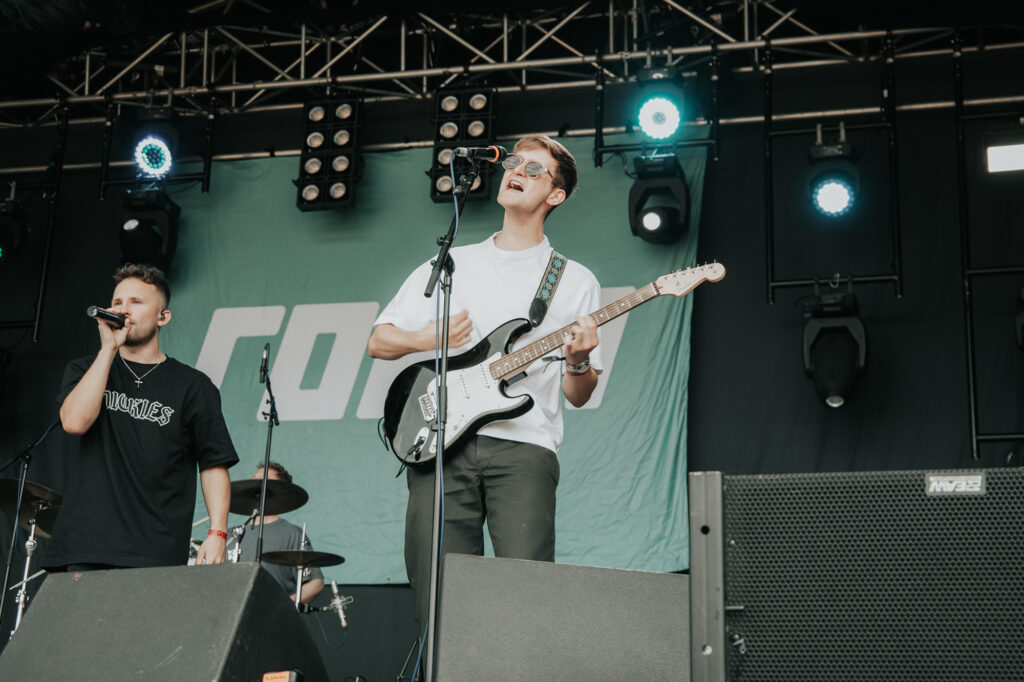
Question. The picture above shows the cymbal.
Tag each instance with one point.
(306, 558)
(38, 501)
(282, 496)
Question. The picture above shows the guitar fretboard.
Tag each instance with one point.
(515, 362)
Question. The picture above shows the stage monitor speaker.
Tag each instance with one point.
(225, 622)
(897, 575)
(507, 619)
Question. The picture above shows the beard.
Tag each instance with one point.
(138, 337)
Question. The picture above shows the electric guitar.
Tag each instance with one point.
(477, 379)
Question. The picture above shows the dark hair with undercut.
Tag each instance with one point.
(282, 473)
(566, 174)
(148, 274)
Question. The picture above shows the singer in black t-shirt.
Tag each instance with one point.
(145, 422)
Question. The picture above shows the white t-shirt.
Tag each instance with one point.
(496, 286)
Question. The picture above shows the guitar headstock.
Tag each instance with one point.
(682, 282)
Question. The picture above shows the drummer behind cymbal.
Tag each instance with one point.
(280, 534)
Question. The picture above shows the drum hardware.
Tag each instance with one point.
(301, 559)
(235, 535)
(19, 488)
(37, 514)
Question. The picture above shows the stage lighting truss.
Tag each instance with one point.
(148, 232)
(659, 104)
(833, 180)
(1004, 151)
(330, 164)
(834, 346)
(659, 200)
(463, 118)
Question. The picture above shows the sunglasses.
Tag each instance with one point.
(533, 169)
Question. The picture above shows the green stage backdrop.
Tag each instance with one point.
(251, 268)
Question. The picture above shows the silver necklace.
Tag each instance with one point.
(138, 379)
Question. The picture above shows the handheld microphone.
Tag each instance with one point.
(494, 153)
(113, 319)
(337, 604)
(263, 364)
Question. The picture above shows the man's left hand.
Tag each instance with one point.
(212, 551)
(581, 340)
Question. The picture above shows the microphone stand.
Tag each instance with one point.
(26, 459)
(444, 264)
(272, 421)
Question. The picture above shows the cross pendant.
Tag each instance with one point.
(138, 383)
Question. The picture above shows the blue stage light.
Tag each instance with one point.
(659, 117)
(153, 157)
(832, 195)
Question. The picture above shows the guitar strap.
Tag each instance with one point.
(546, 289)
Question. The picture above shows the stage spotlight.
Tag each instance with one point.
(659, 105)
(153, 157)
(833, 178)
(832, 194)
(659, 200)
(835, 346)
(316, 114)
(330, 162)
(149, 228)
(12, 229)
(1004, 151)
(464, 118)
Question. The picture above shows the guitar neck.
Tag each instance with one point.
(515, 362)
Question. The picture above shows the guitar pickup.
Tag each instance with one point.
(427, 408)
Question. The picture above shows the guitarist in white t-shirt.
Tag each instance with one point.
(506, 471)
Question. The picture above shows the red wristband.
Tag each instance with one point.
(218, 533)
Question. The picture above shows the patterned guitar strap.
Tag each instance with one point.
(546, 289)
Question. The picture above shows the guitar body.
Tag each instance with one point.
(475, 398)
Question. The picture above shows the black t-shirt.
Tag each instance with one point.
(131, 490)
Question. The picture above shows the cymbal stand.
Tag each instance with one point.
(26, 458)
(300, 572)
(30, 548)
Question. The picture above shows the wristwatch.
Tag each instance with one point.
(581, 368)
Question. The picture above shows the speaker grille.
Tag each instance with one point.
(862, 576)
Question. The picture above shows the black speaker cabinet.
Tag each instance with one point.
(899, 575)
(225, 622)
(507, 619)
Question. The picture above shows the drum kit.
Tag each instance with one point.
(282, 497)
(36, 514)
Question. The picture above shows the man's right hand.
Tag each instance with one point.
(110, 338)
(460, 329)
(388, 342)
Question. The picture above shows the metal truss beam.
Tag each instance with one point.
(574, 45)
(286, 81)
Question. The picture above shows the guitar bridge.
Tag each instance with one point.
(427, 408)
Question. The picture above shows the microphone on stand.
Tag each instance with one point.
(113, 319)
(338, 605)
(494, 153)
(263, 363)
